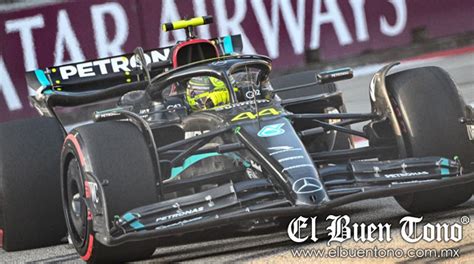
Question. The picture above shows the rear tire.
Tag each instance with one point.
(30, 198)
(116, 154)
(429, 107)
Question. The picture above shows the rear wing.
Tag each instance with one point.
(107, 72)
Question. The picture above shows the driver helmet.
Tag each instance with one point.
(205, 92)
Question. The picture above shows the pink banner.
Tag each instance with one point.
(282, 29)
(58, 34)
(285, 29)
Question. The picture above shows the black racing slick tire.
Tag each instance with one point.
(428, 107)
(115, 156)
(30, 197)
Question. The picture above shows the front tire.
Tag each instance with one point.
(428, 107)
(115, 153)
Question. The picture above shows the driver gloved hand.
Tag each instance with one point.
(217, 98)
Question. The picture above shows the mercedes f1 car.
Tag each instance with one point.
(148, 165)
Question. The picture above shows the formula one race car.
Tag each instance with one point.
(199, 137)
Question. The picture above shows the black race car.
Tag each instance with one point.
(147, 166)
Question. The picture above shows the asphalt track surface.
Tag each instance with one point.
(276, 246)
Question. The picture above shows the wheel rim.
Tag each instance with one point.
(76, 206)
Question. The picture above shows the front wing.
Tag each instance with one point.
(260, 200)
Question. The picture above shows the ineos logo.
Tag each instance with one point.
(306, 185)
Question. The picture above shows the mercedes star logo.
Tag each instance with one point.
(306, 185)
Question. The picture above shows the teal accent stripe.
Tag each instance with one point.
(228, 46)
(444, 171)
(190, 161)
(128, 217)
(42, 78)
(444, 162)
(135, 224)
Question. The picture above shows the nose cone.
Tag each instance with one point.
(288, 162)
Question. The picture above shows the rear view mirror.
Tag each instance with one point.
(334, 75)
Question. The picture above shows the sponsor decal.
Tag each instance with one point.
(180, 213)
(230, 106)
(107, 113)
(306, 185)
(410, 182)
(249, 115)
(282, 149)
(251, 95)
(190, 134)
(412, 230)
(180, 223)
(290, 158)
(271, 130)
(110, 65)
(297, 167)
(406, 174)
